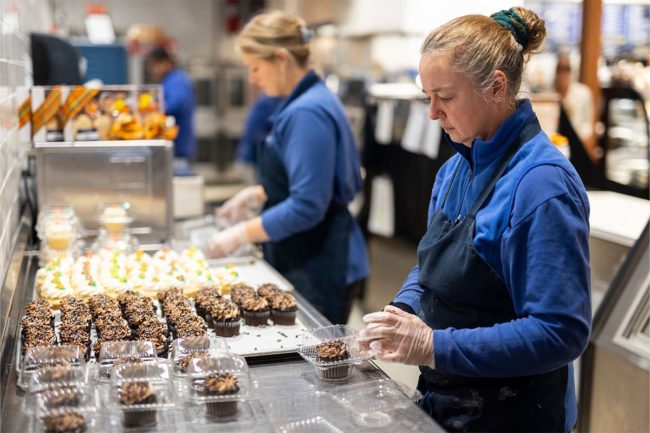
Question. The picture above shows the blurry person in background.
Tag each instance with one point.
(498, 305)
(256, 128)
(577, 102)
(179, 102)
(309, 172)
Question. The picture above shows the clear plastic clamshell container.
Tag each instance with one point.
(49, 381)
(59, 376)
(184, 350)
(114, 353)
(142, 396)
(316, 424)
(217, 389)
(68, 419)
(343, 340)
(38, 358)
(311, 411)
(374, 404)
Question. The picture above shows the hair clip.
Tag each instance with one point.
(306, 34)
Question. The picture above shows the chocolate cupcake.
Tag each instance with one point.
(136, 394)
(268, 291)
(284, 309)
(240, 292)
(224, 318)
(221, 385)
(204, 300)
(71, 422)
(333, 351)
(256, 311)
(184, 361)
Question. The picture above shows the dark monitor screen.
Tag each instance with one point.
(54, 61)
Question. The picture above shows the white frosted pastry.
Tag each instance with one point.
(191, 259)
(136, 260)
(226, 277)
(62, 263)
(56, 287)
(166, 255)
(85, 288)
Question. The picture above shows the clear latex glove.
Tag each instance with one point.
(241, 204)
(396, 336)
(225, 242)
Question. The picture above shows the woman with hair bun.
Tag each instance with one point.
(309, 172)
(498, 305)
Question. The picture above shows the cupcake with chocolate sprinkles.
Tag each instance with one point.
(333, 351)
(284, 309)
(240, 292)
(268, 291)
(222, 384)
(135, 395)
(70, 422)
(256, 311)
(225, 318)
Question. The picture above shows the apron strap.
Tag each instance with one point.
(453, 177)
(529, 131)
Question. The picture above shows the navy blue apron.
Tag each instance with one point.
(314, 261)
(462, 291)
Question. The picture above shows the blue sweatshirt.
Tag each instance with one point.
(257, 127)
(314, 140)
(534, 233)
(179, 102)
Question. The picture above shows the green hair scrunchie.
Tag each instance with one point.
(511, 21)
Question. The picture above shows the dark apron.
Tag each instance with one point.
(314, 261)
(463, 292)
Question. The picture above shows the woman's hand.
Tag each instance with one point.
(227, 241)
(239, 206)
(397, 336)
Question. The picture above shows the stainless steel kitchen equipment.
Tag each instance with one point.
(86, 174)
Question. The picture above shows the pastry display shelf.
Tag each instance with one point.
(275, 379)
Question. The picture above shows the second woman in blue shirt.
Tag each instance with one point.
(309, 172)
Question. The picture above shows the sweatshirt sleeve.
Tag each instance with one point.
(545, 258)
(308, 152)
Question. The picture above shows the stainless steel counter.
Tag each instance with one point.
(288, 395)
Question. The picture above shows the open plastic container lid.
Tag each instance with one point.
(157, 374)
(121, 352)
(312, 338)
(80, 397)
(224, 363)
(58, 376)
(186, 347)
(40, 357)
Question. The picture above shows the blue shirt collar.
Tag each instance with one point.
(303, 85)
(484, 152)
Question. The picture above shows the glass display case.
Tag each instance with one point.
(625, 141)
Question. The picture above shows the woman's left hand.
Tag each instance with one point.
(226, 241)
(397, 336)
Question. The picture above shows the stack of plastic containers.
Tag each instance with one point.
(59, 231)
(114, 221)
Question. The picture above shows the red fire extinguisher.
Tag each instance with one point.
(233, 15)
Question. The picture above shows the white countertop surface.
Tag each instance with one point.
(617, 217)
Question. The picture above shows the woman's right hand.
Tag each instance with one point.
(396, 336)
(241, 204)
